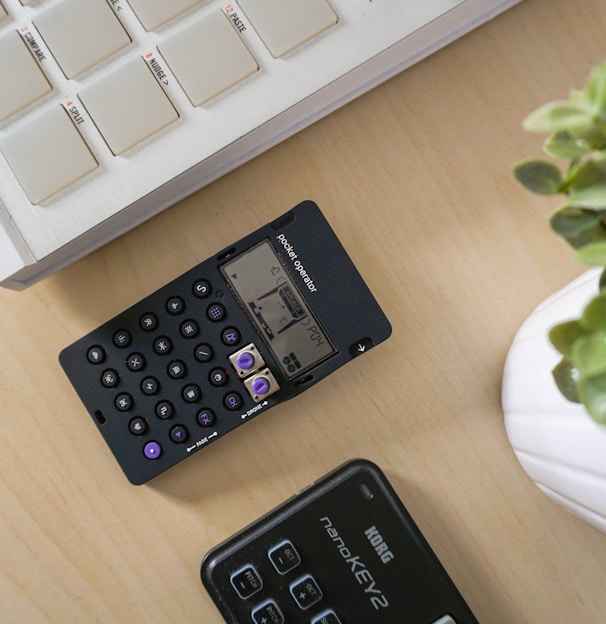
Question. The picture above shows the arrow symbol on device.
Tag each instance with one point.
(361, 348)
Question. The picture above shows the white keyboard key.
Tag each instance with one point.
(81, 33)
(22, 79)
(208, 57)
(47, 154)
(3, 13)
(128, 105)
(154, 13)
(286, 24)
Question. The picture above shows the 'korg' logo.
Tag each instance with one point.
(378, 543)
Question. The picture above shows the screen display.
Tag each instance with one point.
(277, 308)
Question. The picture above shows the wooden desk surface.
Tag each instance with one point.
(415, 178)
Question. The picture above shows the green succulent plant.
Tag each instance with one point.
(577, 170)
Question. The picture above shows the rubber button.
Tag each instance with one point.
(152, 450)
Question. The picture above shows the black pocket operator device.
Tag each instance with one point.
(241, 332)
(343, 551)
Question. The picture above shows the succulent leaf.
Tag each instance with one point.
(566, 146)
(564, 335)
(578, 226)
(594, 314)
(592, 392)
(589, 354)
(539, 176)
(566, 376)
(593, 254)
(561, 115)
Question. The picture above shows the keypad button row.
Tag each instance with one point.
(164, 409)
(305, 590)
(205, 417)
(163, 345)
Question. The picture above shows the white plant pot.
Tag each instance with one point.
(558, 444)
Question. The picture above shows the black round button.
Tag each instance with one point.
(96, 355)
(176, 369)
(230, 336)
(175, 305)
(206, 417)
(203, 353)
(110, 378)
(189, 329)
(122, 338)
(201, 288)
(164, 410)
(150, 386)
(124, 402)
(232, 401)
(191, 393)
(163, 345)
(216, 312)
(179, 434)
(135, 362)
(137, 426)
(148, 321)
(218, 377)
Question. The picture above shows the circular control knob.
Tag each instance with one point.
(260, 385)
(246, 360)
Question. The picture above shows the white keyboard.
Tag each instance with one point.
(112, 110)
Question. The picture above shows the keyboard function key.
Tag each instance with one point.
(208, 57)
(267, 613)
(154, 13)
(48, 154)
(246, 581)
(22, 79)
(306, 592)
(284, 557)
(128, 105)
(81, 33)
(285, 24)
(327, 617)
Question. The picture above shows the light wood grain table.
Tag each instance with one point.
(415, 177)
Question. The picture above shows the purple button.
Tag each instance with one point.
(152, 450)
(260, 385)
(245, 360)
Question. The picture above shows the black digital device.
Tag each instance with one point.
(251, 327)
(343, 551)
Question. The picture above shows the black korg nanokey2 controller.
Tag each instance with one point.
(241, 332)
(343, 551)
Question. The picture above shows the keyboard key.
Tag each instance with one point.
(284, 557)
(328, 617)
(81, 33)
(267, 613)
(208, 57)
(286, 24)
(306, 592)
(128, 105)
(154, 13)
(47, 154)
(246, 581)
(23, 82)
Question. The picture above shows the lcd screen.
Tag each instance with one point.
(277, 308)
